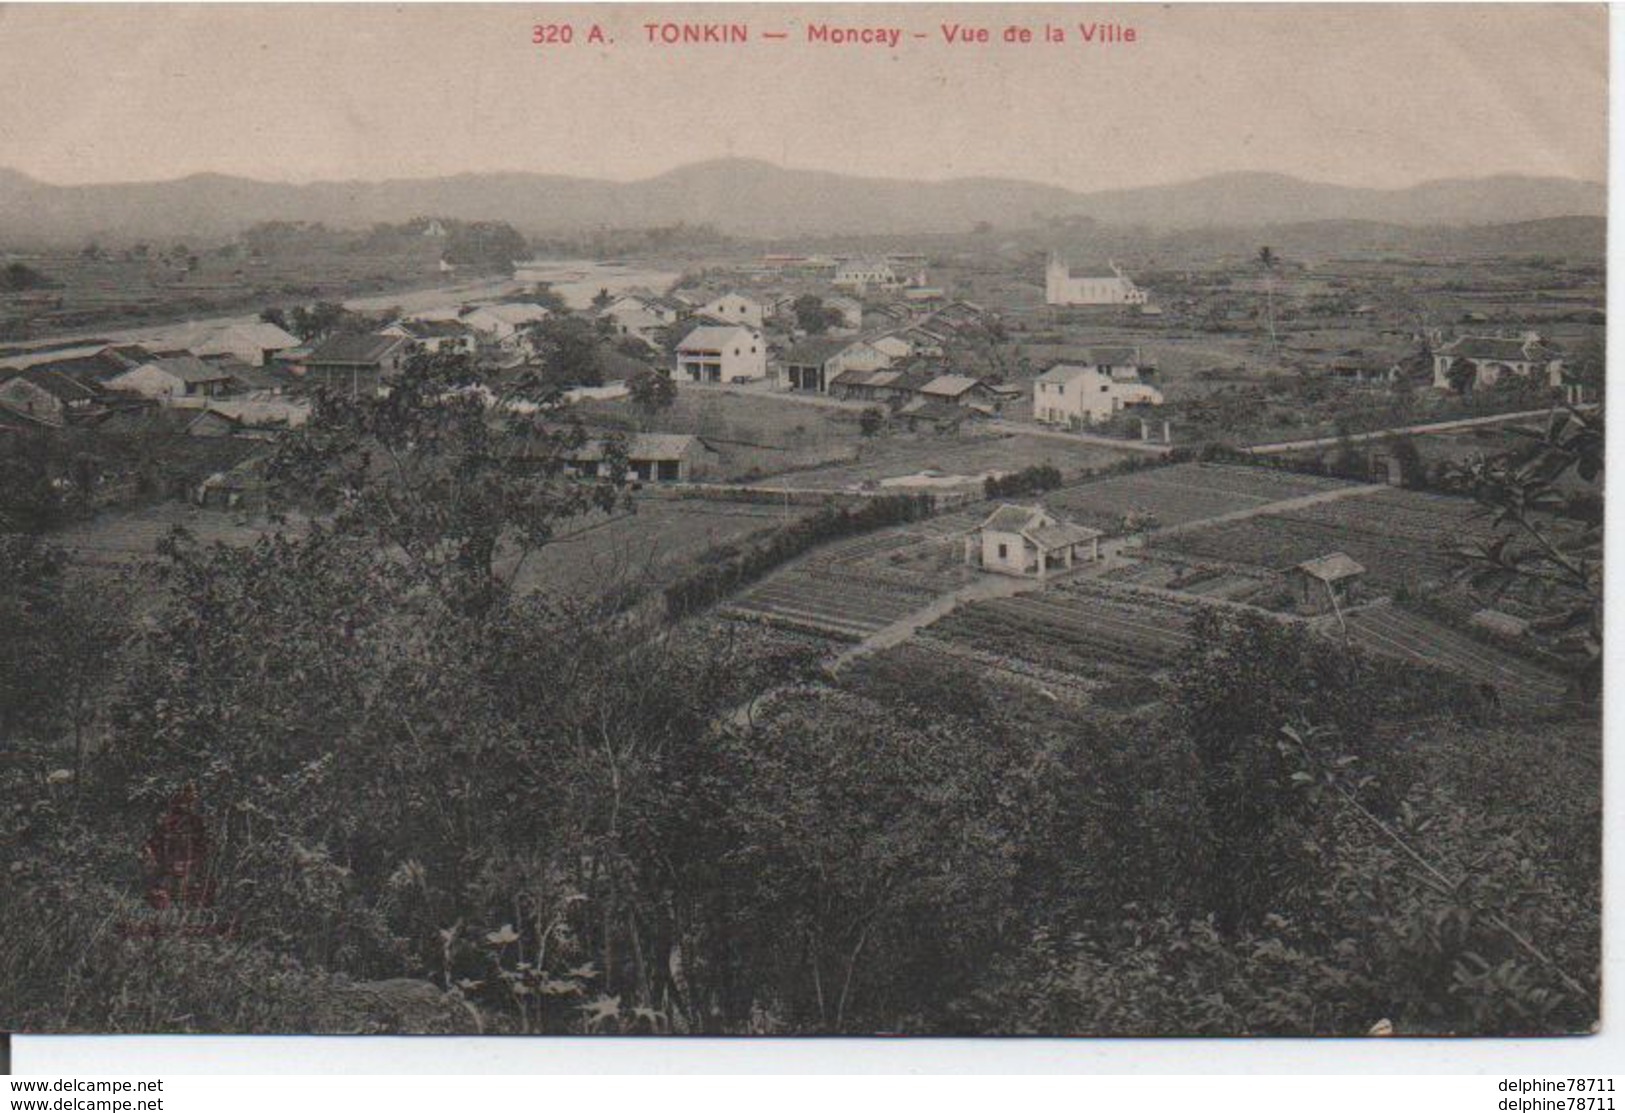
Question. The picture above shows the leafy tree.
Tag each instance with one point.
(651, 392)
(1555, 563)
(457, 481)
(869, 867)
(549, 299)
(872, 421)
(1245, 678)
(813, 316)
(489, 245)
(567, 350)
(326, 319)
(1462, 375)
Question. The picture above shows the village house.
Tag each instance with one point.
(734, 309)
(1492, 357)
(248, 420)
(1103, 383)
(433, 337)
(881, 318)
(254, 342)
(896, 385)
(503, 325)
(1029, 541)
(1061, 288)
(174, 379)
(894, 345)
(48, 396)
(722, 354)
(91, 364)
(928, 340)
(356, 365)
(814, 363)
(957, 390)
(643, 315)
(869, 386)
(1326, 584)
(651, 457)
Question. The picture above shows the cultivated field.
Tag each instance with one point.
(934, 459)
(118, 538)
(1401, 537)
(1394, 632)
(1079, 625)
(1182, 493)
(646, 549)
(850, 589)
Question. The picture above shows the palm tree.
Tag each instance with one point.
(1269, 261)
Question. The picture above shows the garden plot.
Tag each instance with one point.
(1399, 536)
(1078, 627)
(831, 606)
(969, 457)
(1183, 493)
(1393, 632)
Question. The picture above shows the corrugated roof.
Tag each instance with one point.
(1060, 534)
(815, 351)
(432, 330)
(254, 335)
(60, 386)
(647, 446)
(188, 368)
(1011, 519)
(1332, 567)
(1498, 348)
(514, 313)
(1065, 373)
(713, 338)
(950, 386)
(367, 347)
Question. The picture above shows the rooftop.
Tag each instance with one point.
(1332, 567)
(712, 338)
(367, 347)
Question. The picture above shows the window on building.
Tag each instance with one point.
(1004, 552)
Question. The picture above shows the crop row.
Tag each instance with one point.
(838, 605)
(1396, 633)
(1065, 632)
(1277, 543)
(1183, 493)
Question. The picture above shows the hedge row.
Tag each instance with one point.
(713, 582)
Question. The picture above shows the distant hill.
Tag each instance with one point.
(745, 197)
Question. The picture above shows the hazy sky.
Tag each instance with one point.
(1361, 95)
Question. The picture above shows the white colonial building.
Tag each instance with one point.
(1492, 357)
(1061, 288)
(1029, 541)
(861, 274)
(722, 354)
(1104, 382)
(736, 309)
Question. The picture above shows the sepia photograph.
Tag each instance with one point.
(776, 520)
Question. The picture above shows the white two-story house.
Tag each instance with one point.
(722, 354)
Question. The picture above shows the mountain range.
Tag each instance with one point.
(752, 198)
